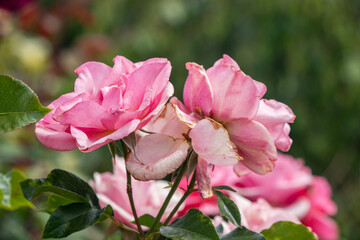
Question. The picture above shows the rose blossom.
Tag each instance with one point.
(107, 104)
(148, 196)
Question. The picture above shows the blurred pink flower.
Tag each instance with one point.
(230, 122)
(256, 216)
(148, 196)
(107, 104)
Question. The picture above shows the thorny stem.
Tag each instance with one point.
(189, 190)
(167, 200)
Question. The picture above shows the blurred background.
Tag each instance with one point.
(307, 52)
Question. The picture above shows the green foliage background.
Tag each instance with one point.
(307, 52)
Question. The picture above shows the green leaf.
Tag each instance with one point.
(243, 234)
(53, 202)
(19, 104)
(62, 183)
(223, 188)
(194, 225)
(71, 218)
(288, 230)
(228, 208)
(11, 197)
(148, 220)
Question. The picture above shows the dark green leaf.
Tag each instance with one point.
(19, 104)
(243, 234)
(11, 197)
(147, 220)
(62, 183)
(223, 188)
(228, 208)
(288, 230)
(194, 225)
(71, 218)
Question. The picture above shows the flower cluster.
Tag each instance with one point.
(225, 130)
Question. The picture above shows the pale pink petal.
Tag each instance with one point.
(147, 81)
(283, 142)
(211, 142)
(254, 144)
(57, 140)
(156, 156)
(91, 75)
(198, 96)
(180, 105)
(235, 94)
(168, 123)
(84, 114)
(118, 75)
(90, 139)
(203, 178)
(274, 115)
(261, 88)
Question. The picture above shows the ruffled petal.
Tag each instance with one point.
(235, 94)
(211, 142)
(198, 96)
(254, 144)
(146, 82)
(91, 75)
(156, 156)
(275, 116)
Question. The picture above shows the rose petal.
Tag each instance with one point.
(254, 144)
(197, 90)
(147, 81)
(57, 140)
(156, 156)
(274, 115)
(235, 94)
(211, 142)
(88, 140)
(86, 114)
(203, 178)
(91, 75)
(168, 123)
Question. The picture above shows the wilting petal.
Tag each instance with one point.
(274, 116)
(197, 90)
(254, 144)
(203, 178)
(90, 139)
(156, 156)
(147, 81)
(57, 140)
(211, 142)
(235, 94)
(91, 74)
(168, 123)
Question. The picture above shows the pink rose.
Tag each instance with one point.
(107, 104)
(148, 196)
(230, 122)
